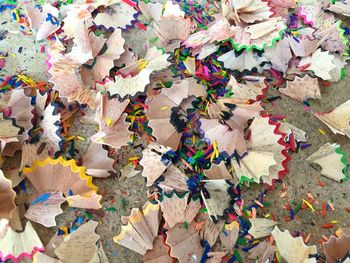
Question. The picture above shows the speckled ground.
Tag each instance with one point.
(24, 56)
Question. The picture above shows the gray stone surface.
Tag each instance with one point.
(301, 179)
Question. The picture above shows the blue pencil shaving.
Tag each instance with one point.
(42, 198)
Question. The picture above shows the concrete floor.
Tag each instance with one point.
(301, 179)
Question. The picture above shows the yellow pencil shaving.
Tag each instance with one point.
(81, 138)
(231, 226)
(26, 80)
(207, 105)
(17, 15)
(334, 222)
(142, 63)
(193, 139)
(133, 158)
(309, 205)
(70, 138)
(55, 96)
(132, 119)
(322, 131)
(255, 242)
(64, 229)
(212, 157)
(216, 151)
(267, 216)
(164, 108)
(109, 122)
